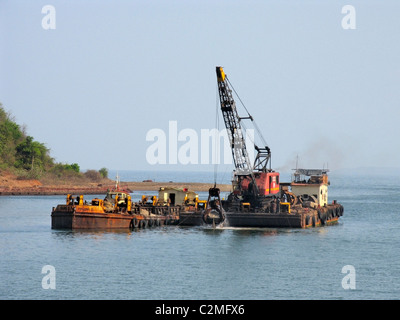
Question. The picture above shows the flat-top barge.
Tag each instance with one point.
(115, 211)
(301, 204)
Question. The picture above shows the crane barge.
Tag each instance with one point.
(256, 183)
(258, 198)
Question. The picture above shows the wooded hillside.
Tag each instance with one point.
(21, 154)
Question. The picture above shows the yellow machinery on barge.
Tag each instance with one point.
(115, 211)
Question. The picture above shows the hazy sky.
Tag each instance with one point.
(94, 86)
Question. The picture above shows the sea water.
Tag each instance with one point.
(175, 262)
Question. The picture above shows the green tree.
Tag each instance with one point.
(75, 167)
(30, 154)
(103, 172)
(10, 135)
(71, 167)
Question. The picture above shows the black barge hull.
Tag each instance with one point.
(303, 219)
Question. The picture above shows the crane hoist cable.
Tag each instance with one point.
(217, 148)
(249, 115)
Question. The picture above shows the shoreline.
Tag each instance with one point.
(94, 188)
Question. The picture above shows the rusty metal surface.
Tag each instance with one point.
(97, 216)
(74, 220)
(299, 218)
(64, 220)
